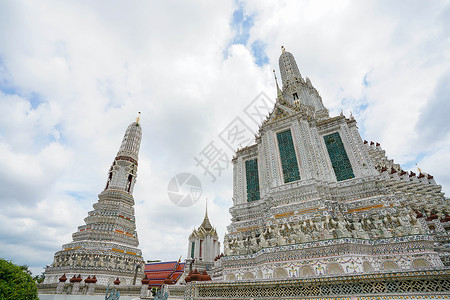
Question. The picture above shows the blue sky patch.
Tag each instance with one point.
(35, 99)
(5, 86)
(241, 24)
(77, 195)
(8, 88)
(258, 50)
(411, 165)
(366, 80)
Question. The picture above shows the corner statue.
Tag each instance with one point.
(161, 295)
(112, 295)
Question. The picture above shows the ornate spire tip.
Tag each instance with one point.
(138, 117)
(420, 171)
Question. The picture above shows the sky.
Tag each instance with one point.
(74, 75)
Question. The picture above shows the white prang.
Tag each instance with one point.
(106, 246)
(329, 203)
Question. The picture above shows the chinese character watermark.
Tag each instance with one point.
(185, 189)
(214, 159)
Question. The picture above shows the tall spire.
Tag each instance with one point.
(288, 68)
(138, 118)
(206, 224)
(123, 172)
(279, 94)
(131, 141)
(106, 245)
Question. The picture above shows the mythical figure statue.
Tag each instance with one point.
(358, 231)
(254, 247)
(341, 227)
(240, 248)
(263, 243)
(112, 294)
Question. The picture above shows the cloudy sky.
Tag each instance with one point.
(74, 74)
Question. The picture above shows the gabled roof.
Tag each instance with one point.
(280, 111)
(157, 272)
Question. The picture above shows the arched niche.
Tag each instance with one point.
(259, 274)
(280, 273)
(389, 265)
(231, 277)
(307, 271)
(334, 269)
(248, 276)
(367, 267)
(421, 263)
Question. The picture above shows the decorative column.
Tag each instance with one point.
(145, 287)
(61, 284)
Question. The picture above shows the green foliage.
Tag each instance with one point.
(39, 278)
(16, 282)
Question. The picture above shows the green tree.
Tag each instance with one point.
(39, 278)
(16, 282)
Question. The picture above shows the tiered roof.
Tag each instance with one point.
(205, 229)
(157, 272)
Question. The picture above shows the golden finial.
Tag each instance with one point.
(138, 117)
(420, 171)
(282, 49)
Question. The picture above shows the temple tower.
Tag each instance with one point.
(203, 246)
(311, 198)
(106, 245)
(297, 91)
(288, 69)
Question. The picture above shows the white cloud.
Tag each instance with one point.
(75, 74)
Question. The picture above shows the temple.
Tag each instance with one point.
(318, 213)
(106, 245)
(311, 198)
(159, 273)
(203, 248)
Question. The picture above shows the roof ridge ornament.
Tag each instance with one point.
(282, 49)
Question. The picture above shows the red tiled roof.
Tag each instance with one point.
(157, 272)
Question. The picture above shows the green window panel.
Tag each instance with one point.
(338, 156)
(251, 172)
(287, 156)
(192, 249)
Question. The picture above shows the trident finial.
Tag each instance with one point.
(420, 171)
(138, 117)
(279, 93)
